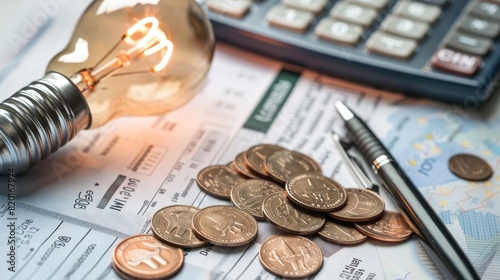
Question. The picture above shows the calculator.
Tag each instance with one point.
(441, 49)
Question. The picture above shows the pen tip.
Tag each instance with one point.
(344, 112)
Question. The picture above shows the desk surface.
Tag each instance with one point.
(66, 199)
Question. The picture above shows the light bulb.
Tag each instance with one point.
(126, 57)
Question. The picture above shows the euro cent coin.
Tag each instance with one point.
(232, 166)
(173, 225)
(362, 206)
(226, 226)
(289, 256)
(470, 167)
(390, 227)
(283, 164)
(255, 157)
(316, 192)
(287, 216)
(250, 194)
(145, 257)
(242, 167)
(341, 233)
(218, 180)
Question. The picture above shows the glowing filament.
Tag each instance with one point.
(154, 41)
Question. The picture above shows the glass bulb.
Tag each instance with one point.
(126, 57)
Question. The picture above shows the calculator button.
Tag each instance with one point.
(405, 27)
(469, 44)
(435, 2)
(456, 62)
(375, 4)
(390, 45)
(486, 10)
(480, 27)
(315, 6)
(417, 11)
(338, 31)
(232, 8)
(289, 18)
(353, 13)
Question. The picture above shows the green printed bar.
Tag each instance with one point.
(270, 105)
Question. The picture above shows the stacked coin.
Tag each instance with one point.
(287, 189)
(189, 227)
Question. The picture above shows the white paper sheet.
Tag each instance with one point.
(73, 208)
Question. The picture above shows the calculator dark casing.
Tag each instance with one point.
(414, 76)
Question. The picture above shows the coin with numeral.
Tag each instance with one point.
(316, 192)
(250, 194)
(341, 233)
(362, 206)
(283, 164)
(145, 257)
(256, 156)
(470, 167)
(289, 256)
(173, 225)
(224, 225)
(390, 227)
(287, 216)
(218, 180)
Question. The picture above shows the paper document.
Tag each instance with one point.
(74, 207)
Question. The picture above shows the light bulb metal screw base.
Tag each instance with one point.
(38, 120)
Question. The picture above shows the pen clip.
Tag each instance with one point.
(354, 165)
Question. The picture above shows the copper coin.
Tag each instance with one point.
(218, 180)
(226, 226)
(470, 167)
(242, 167)
(316, 192)
(290, 256)
(122, 274)
(145, 257)
(341, 233)
(232, 166)
(283, 164)
(362, 206)
(250, 194)
(287, 216)
(256, 156)
(172, 225)
(390, 227)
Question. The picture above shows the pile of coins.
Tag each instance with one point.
(287, 189)
(267, 183)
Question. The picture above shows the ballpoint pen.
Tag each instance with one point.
(441, 245)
